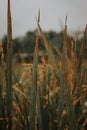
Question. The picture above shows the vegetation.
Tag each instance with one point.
(25, 44)
(46, 95)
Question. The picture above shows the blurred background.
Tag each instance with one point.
(53, 13)
(52, 20)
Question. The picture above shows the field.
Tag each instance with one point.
(51, 95)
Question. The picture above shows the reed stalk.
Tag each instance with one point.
(33, 96)
(9, 68)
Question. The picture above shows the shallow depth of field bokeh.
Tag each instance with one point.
(43, 79)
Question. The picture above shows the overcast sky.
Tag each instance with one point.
(53, 12)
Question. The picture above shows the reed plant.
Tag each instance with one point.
(9, 68)
(50, 95)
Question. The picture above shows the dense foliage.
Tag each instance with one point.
(26, 43)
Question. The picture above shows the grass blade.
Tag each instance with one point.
(34, 87)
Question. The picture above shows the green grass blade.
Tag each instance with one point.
(60, 100)
(34, 87)
(40, 125)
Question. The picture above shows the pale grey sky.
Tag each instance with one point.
(52, 12)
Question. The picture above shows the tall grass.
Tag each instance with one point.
(49, 95)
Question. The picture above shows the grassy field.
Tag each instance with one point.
(51, 95)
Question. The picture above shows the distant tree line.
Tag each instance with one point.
(27, 42)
